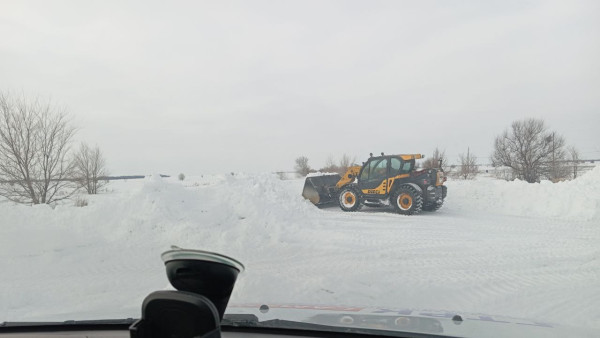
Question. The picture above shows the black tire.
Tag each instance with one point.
(432, 206)
(349, 199)
(407, 200)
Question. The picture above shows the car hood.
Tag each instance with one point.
(435, 322)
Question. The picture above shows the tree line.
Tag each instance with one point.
(527, 148)
(331, 165)
(37, 162)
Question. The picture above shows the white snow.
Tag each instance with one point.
(319, 173)
(570, 200)
(496, 247)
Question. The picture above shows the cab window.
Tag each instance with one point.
(407, 166)
(380, 170)
(364, 175)
(395, 165)
(375, 170)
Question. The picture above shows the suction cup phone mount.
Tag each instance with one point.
(204, 281)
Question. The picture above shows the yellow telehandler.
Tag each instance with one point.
(386, 180)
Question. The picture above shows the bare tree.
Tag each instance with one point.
(468, 165)
(302, 167)
(330, 165)
(433, 162)
(574, 158)
(530, 151)
(346, 161)
(90, 169)
(340, 167)
(557, 168)
(35, 142)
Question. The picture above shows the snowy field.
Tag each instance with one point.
(500, 248)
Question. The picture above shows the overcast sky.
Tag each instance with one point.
(218, 86)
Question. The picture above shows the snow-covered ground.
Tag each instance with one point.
(496, 247)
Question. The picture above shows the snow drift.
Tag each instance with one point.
(576, 200)
(473, 255)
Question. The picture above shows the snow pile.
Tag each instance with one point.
(542, 267)
(52, 258)
(256, 209)
(577, 200)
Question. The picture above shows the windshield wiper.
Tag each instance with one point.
(231, 322)
(101, 324)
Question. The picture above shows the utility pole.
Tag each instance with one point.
(469, 160)
(553, 159)
(468, 163)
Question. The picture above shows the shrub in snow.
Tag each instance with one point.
(81, 201)
(181, 177)
(468, 165)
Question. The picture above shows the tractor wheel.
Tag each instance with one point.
(406, 200)
(435, 206)
(432, 206)
(349, 199)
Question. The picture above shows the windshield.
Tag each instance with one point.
(406, 159)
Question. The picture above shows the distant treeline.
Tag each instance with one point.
(107, 178)
(114, 178)
(132, 177)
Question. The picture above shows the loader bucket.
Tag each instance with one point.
(320, 190)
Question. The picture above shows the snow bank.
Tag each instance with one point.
(108, 253)
(113, 245)
(577, 200)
